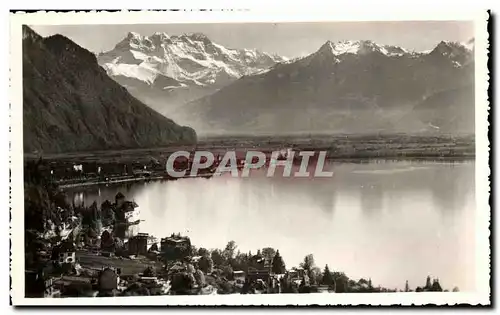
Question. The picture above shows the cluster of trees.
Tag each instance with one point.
(222, 263)
(216, 267)
(42, 199)
(43, 202)
(225, 261)
(47, 208)
(338, 281)
(433, 286)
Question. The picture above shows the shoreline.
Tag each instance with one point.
(128, 180)
(443, 159)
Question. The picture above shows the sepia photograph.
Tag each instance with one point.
(234, 158)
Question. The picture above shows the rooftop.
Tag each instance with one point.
(76, 279)
(176, 240)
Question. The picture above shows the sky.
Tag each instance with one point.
(285, 39)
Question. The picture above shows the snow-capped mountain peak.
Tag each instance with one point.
(162, 68)
(160, 35)
(359, 47)
(196, 36)
(188, 58)
(459, 54)
(133, 35)
(450, 47)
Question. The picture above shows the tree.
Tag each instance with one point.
(149, 272)
(455, 289)
(436, 287)
(217, 258)
(194, 250)
(154, 248)
(224, 287)
(206, 264)
(200, 278)
(278, 265)
(203, 252)
(241, 262)
(341, 282)
(428, 283)
(314, 275)
(190, 268)
(181, 283)
(118, 243)
(407, 287)
(230, 250)
(327, 276)
(308, 262)
(136, 289)
(268, 253)
(107, 241)
(227, 271)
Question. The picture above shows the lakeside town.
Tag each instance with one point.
(78, 250)
(108, 167)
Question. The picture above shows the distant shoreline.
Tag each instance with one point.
(339, 146)
(445, 159)
(126, 180)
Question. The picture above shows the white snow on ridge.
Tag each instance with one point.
(344, 47)
(189, 58)
(139, 55)
(138, 72)
(362, 47)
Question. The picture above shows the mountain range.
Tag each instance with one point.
(75, 100)
(347, 87)
(71, 104)
(167, 71)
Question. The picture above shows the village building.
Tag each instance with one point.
(177, 268)
(64, 254)
(175, 247)
(239, 276)
(51, 291)
(195, 260)
(68, 280)
(296, 273)
(138, 245)
(107, 243)
(119, 199)
(39, 284)
(255, 274)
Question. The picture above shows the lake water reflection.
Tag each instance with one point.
(391, 221)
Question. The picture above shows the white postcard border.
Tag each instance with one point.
(482, 222)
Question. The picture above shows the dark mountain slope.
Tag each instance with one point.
(352, 87)
(70, 104)
(449, 111)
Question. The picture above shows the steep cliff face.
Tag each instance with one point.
(70, 103)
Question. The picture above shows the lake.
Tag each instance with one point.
(390, 221)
